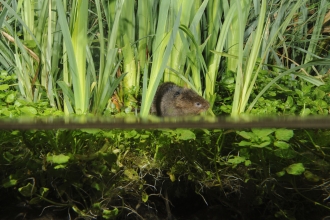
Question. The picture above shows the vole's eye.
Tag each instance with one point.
(176, 94)
(198, 104)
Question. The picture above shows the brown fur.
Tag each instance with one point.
(173, 100)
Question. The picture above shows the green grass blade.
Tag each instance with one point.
(156, 76)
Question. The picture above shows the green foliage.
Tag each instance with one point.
(46, 164)
(63, 57)
(79, 64)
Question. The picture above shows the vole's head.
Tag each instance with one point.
(189, 102)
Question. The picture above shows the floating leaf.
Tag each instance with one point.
(295, 169)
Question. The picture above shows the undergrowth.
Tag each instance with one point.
(114, 173)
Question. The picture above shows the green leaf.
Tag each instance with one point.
(285, 153)
(130, 134)
(236, 160)
(185, 134)
(27, 190)
(289, 103)
(8, 156)
(131, 174)
(295, 169)
(110, 158)
(4, 87)
(283, 134)
(43, 191)
(96, 186)
(35, 200)
(305, 112)
(9, 183)
(144, 197)
(28, 110)
(244, 143)
(281, 144)
(246, 135)
(311, 177)
(110, 214)
(264, 144)
(281, 173)
(59, 167)
(58, 159)
(262, 132)
(10, 98)
(247, 163)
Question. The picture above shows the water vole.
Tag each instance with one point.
(173, 100)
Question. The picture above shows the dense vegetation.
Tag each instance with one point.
(106, 58)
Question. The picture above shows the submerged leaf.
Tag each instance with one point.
(264, 144)
(185, 134)
(311, 177)
(27, 190)
(9, 183)
(283, 134)
(281, 173)
(262, 132)
(295, 169)
(281, 144)
(58, 159)
(131, 174)
(244, 143)
(110, 214)
(246, 135)
(236, 160)
(144, 197)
